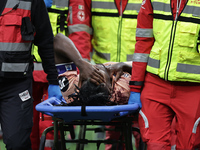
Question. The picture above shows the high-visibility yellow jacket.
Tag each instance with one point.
(174, 55)
(113, 31)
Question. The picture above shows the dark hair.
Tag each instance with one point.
(91, 95)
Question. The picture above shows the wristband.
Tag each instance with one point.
(61, 68)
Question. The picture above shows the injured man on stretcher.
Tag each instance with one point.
(82, 83)
(92, 85)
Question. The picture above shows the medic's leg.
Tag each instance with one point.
(186, 106)
(156, 116)
(16, 112)
(39, 91)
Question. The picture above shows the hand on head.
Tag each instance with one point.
(115, 69)
(89, 71)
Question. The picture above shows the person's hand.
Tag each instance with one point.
(89, 71)
(135, 99)
(54, 91)
(116, 69)
(48, 3)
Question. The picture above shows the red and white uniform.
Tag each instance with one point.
(162, 100)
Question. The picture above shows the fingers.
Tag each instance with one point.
(118, 75)
(94, 76)
(80, 81)
(96, 79)
(98, 76)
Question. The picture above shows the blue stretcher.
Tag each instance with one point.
(88, 115)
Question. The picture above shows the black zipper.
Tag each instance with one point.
(119, 33)
(170, 49)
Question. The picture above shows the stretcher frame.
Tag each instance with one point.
(88, 115)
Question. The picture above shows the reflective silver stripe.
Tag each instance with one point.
(161, 6)
(49, 143)
(79, 27)
(140, 57)
(194, 130)
(103, 55)
(38, 66)
(144, 32)
(15, 46)
(186, 68)
(22, 4)
(70, 16)
(14, 67)
(111, 5)
(132, 6)
(153, 63)
(173, 147)
(145, 119)
(129, 57)
(25, 5)
(167, 8)
(192, 10)
(60, 3)
(103, 5)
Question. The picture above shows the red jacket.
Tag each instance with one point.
(144, 45)
(80, 16)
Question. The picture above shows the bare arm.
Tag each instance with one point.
(118, 69)
(66, 51)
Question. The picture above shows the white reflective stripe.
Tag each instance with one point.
(49, 143)
(79, 27)
(140, 57)
(186, 68)
(144, 32)
(145, 119)
(22, 4)
(195, 126)
(15, 46)
(173, 147)
(14, 67)
(38, 66)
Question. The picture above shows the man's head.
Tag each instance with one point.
(90, 94)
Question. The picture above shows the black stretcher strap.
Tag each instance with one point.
(83, 112)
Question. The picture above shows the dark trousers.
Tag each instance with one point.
(16, 113)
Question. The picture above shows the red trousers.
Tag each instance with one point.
(40, 91)
(161, 102)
